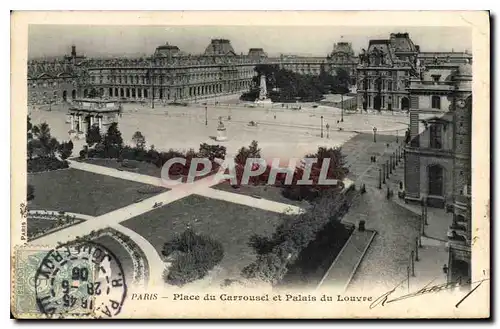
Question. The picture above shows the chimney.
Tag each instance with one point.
(73, 51)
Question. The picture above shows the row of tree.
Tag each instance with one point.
(44, 151)
(287, 86)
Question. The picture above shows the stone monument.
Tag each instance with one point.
(221, 132)
(263, 92)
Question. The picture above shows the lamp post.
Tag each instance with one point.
(417, 245)
(379, 178)
(412, 262)
(327, 130)
(341, 107)
(206, 116)
(321, 126)
(397, 136)
(374, 134)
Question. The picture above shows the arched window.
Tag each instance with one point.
(435, 179)
(435, 139)
(436, 102)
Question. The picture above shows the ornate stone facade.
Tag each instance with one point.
(387, 67)
(54, 81)
(382, 73)
(438, 156)
(343, 57)
(168, 75)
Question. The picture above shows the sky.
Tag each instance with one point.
(108, 41)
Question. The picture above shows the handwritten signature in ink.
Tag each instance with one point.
(384, 299)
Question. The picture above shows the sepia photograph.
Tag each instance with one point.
(250, 165)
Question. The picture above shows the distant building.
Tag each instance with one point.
(54, 81)
(257, 53)
(301, 64)
(343, 57)
(382, 73)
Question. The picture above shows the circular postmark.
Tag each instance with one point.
(80, 279)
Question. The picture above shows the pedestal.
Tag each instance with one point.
(221, 135)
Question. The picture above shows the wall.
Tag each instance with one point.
(447, 164)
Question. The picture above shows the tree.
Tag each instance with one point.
(29, 126)
(65, 149)
(93, 135)
(30, 192)
(212, 151)
(254, 149)
(113, 137)
(93, 93)
(42, 133)
(139, 140)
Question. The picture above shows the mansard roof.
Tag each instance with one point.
(344, 47)
(166, 50)
(220, 47)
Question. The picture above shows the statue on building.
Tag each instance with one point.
(363, 58)
(381, 57)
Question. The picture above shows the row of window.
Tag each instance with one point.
(160, 79)
(394, 74)
(46, 84)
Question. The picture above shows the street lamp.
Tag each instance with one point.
(327, 130)
(341, 107)
(374, 134)
(321, 126)
(206, 116)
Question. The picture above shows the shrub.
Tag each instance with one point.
(293, 236)
(46, 164)
(212, 151)
(199, 254)
(261, 244)
(129, 164)
(93, 135)
(268, 268)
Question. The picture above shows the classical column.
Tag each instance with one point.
(72, 121)
(79, 123)
(91, 117)
(99, 119)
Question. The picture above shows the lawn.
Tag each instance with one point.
(141, 167)
(83, 192)
(46, 225)
(272, 193)
(229, 223)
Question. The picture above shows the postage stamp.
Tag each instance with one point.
(250, 165)
(75, 280)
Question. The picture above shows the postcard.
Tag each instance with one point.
(250, 165)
